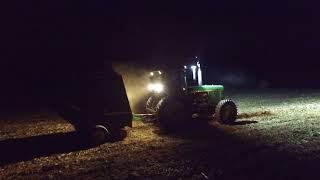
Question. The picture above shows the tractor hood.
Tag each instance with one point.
(207, 88)
(214, 93)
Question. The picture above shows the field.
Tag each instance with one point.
(277, 136)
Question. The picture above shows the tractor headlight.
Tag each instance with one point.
(155, 87)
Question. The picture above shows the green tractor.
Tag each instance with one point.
(179, 96)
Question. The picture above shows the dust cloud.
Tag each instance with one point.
(135, 78)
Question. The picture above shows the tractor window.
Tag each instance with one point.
(190, 80)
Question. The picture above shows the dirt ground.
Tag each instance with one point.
(277, 136)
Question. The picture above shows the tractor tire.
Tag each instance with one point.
(171, 114)
(151, 104)
(226, 111)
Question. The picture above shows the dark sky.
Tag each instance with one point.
(229, 27)
(276, 41)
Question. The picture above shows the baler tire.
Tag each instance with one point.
(99, 135)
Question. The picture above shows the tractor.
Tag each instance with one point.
(177, 96)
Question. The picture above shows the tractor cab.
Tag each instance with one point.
(192, 75)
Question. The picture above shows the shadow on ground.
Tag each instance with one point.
(254, 114)
(22, 149)
(16, 150)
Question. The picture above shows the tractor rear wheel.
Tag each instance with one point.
(172, 113)
(226, 111)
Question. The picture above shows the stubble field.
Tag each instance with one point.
(277, 136)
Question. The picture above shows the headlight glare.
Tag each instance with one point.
(155, 87)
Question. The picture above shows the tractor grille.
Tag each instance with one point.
(200, 98)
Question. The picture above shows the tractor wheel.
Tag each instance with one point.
(151, 104)
(172, 113)
(226, 111)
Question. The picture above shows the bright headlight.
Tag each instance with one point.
(150, 87)
(156, 87)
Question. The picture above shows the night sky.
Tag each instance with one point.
(274, 41)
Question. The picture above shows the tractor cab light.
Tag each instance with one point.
(193, 68)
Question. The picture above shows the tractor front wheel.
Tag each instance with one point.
(151, 104)
(226, 111)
